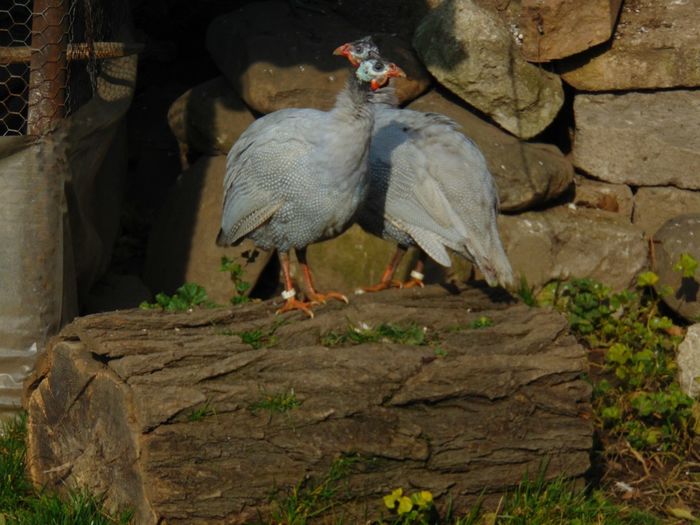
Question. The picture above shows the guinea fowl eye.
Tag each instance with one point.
(378, 66)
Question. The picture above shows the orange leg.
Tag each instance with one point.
(417, 273)
(291, 303)
(386, 280)
(311, 289)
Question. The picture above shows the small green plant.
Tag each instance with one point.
(687, 265)
(236, 271)
(277, 403)
(21, 504)
(201, 412)
(526, 292)
(640, 400)
(481, 322)
(385, 332)
(416, 509)
(257, 338)
(185, 298)
(440, 352)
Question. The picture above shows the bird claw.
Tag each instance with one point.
(383, 286)
(294, 304)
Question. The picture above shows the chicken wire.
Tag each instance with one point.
(49, 59)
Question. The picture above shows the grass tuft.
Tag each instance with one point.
(21, 504)
(411, 334)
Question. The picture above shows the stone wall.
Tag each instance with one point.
(587, 113)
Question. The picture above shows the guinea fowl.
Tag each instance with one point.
(297, 176)
(429, 186)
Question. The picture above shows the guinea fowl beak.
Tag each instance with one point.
(344, 50)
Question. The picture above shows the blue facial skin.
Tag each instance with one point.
(364, 71)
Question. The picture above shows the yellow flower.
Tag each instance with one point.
(391, 499)
(423, 499)
(405, 505)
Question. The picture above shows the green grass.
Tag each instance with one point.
(313, 497)
(411, 334)
(532, 502)
(199, 413)
(537, 502)
(21, 504)
(279, 402)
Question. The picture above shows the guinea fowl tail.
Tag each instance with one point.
(221, 238)
(492, 261)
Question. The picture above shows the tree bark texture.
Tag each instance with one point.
(161, 412)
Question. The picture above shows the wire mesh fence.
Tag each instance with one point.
(50, 52)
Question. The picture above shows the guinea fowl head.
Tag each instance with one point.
(358, 50)
(377, 72)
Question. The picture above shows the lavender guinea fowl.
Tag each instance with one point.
(429, 186)
(297, 176)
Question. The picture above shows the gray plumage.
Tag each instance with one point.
(297, 176)
(430, 186)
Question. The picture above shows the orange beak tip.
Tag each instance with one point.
(341, 50)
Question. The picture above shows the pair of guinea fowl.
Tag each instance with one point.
(299, 176)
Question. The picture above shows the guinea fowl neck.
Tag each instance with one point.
(352, 103)
(385, 97)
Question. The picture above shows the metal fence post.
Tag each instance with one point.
(47, 78)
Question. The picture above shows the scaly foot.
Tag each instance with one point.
(413, 283)
(321, 298)
(383, 285)
(294, 304)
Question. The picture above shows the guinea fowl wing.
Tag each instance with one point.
(257, 168)
(415, 201)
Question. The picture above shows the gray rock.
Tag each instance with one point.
(470, 51)
(565, 242)
(655, 45)
(679, 235)
(182, 246)
(553, 29)
(655, 205)
(641, 139)
(277, 59)
(527, 174)
(615, 198)
(210, 117)
(689, 362)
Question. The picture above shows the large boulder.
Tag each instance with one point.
(680, 235)
(278, 58)
(655, 45)
(182, 246)
(527, 174)
(210, 117)
(566, 242)
(553, 29)
(654, 206)
(689, 362)
(354, 260)
(471, 51)
(642, 139)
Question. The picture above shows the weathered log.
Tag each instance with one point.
(112, 404)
